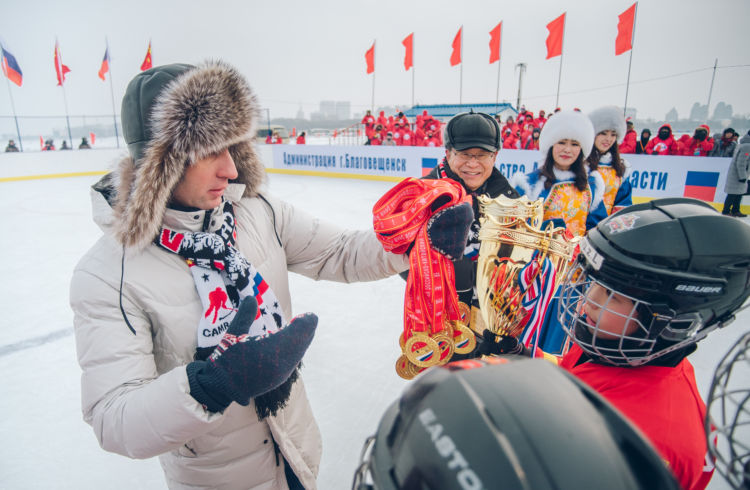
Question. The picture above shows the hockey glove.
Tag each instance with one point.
(242, 367)
(448, 230)
(493, 344)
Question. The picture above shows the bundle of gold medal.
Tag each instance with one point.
(423, 349)
(509, 235)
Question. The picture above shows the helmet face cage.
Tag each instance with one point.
(605, 323)
(363, 477)
(618, 328)
(728, 415)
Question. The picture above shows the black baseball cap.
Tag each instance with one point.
(473, 130)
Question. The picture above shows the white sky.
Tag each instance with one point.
(296, 54)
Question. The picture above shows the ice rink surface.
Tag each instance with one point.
(349, 369)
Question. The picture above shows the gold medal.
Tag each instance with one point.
(404, 368)
(464, 340)
(445, 344)
(421, 350)
(464, 313)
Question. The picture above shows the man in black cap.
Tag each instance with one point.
(472, 140)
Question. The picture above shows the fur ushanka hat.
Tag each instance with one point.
(609, 118)
(572, 125)
(173, 116)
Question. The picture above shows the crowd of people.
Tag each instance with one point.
(398, 131)
(522, 133)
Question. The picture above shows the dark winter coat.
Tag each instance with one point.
(466, 267)
(723, 148)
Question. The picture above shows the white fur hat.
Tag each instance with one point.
(571, 125)
(609, 117)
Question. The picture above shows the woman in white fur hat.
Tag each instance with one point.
(569, 193)
(604, 159)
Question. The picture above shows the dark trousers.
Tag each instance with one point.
(732, 204)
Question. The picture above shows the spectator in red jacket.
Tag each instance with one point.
(368, 121)
(541, 120)
(631, 138)
(407, 137)
(510, 140)
(510, 125)
(382, 120)
(700, 144)
(301, 138)
(431, 139)
(663, 143)
(532, 142)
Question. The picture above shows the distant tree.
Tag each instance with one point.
(699, 112)
(723, 111)
(671, 115)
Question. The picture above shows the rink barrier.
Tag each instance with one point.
(53, 176)
(651, 176)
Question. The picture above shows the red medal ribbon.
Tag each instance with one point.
(400, 219)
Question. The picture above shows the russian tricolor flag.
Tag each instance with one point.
(428, 164)
(701, 185)
(11, 68)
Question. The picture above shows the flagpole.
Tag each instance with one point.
(112, 93)
(499, 60)
(61, 79)
(461, 70)
(630, 62)
(711, 89)
(559, 75)
(412, 70)
(372, 104)
(13, 106)
(67, 118)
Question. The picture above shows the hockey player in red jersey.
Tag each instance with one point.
(650, 282)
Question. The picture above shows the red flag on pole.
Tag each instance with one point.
(456, 54)
(495, 35)
(556, 30)
(624, 41)
(147, 60)
(60, 69)
(370, 59)
(105, 65)
(409, 56)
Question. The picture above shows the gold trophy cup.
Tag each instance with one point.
(509, 234)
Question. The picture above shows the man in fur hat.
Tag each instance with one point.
(182, 307)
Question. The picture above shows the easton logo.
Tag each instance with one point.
(466, 477)
(698, 289)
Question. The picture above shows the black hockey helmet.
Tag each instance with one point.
(684, 268)
(516, 423)
(728, 415)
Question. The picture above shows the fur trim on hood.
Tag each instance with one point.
(609, 118)
(202, 112)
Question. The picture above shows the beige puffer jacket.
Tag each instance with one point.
(135, 392)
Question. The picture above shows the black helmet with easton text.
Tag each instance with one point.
(472, 130)
(684, 267)
(506, 423)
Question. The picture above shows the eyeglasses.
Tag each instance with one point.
(483, 157)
